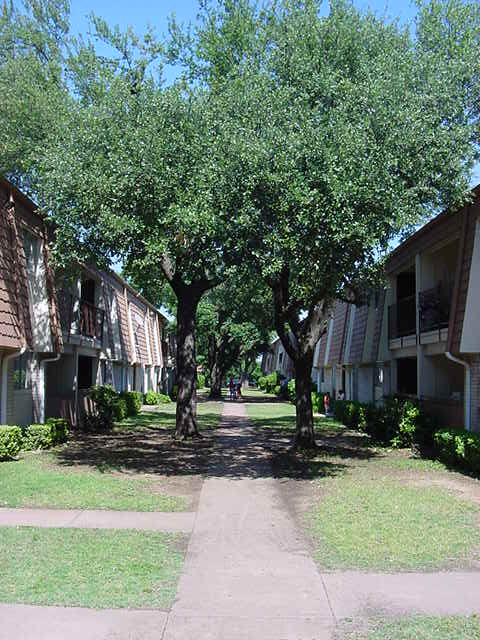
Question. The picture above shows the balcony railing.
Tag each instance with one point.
(434, 308)
(90, 320)
(402, 318)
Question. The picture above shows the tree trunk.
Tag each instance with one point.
(216, 382)
(305, 436)
(186, 424)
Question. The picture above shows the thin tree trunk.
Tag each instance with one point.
(216, 382)
(305, 436)
(186, 424)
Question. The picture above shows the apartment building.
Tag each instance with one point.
(419, 338)
(62, 333)
(277, 359)
(30, 333)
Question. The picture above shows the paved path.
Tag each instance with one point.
(248, 572)
(98, 519)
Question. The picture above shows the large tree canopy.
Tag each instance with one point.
(127, 168)
(353, 130)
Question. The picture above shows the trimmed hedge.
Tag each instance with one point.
(60, 429)
(398, 422)
(458, 447)
(120, 410)
(38, 436)
(134, 401)
(10, 441)
(201, 381)
(154, 398)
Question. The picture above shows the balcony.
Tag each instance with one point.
(84, 319)
(434, 308)
(90, 320)
(402, 318)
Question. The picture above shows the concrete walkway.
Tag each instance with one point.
(98, 519)
(248, 571)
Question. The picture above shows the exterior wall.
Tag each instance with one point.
(475, 391)
(470, 340)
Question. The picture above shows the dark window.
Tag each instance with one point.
(407, 376)
(85, 372)
(104, 371)
(88, 291)
(21, 372)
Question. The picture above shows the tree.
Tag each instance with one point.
(234, 324)
(352, 133)
(128, 169)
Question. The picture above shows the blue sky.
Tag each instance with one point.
(156, 12)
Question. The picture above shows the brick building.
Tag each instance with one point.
(62, 333)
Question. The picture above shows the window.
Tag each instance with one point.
(322, 374)
(85, 372)
(21, 372)
(103, 365)
(31, 246)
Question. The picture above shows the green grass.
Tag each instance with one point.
(34, 481)
(421, 628)
(89, 568)
(162, 417)
(380, 524)
(281, 415)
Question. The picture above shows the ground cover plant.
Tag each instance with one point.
(90, 568)
(418, 628)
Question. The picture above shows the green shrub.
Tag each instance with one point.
(120, 409)
(154, 398)
(105, 408)
(201, 381)
(151, 398)
(398, 422)
(458, 447)
(272, 381)
(38, 436)
(262, 382)
(292, 396)
(133, 401)
(317, 402)
(60, 429)
(277, 390)
(10, 441)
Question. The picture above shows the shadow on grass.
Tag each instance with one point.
(146, 445)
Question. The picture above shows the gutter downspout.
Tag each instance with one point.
(6, 360)
(42, 369)
(468, 387)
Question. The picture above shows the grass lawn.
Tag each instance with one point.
(372, 508)
(163, 417)
(271, 413)
(36, 481)
(122, 470)
(421, 628)
(89, 568)
(381, 524)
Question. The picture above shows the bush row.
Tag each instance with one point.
(458, 447)
(398, 422)
(153, 398)
(35, 436)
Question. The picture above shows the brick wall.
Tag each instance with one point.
(475, 406)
